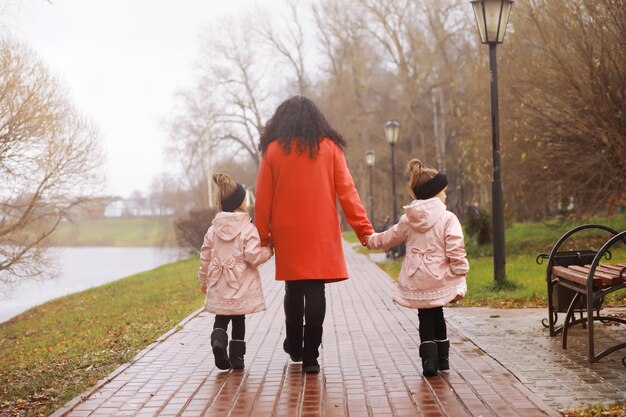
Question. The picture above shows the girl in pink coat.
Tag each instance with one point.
(434, 268)
(229, 275)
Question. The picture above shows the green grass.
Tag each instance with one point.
(537, 237)
(55, 351)
(117, 231)
(350, 237)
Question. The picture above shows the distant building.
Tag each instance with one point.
(114, 209)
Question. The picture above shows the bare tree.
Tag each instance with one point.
(420, 62)
(240, 85)
(288, 42)
(221, 117)
(386, 59)
(49, 160)
(192, 133)
(566, 96)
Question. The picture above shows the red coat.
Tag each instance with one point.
(296, 209)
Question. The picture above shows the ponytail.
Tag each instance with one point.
(417, 174)
(226, 186)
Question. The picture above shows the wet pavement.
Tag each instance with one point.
(500, 366)
(562, 378)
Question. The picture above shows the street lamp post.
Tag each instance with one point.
(492, 17)
(370, 158)
(392, 133)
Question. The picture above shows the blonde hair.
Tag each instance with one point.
(226, 186)
(418, 175)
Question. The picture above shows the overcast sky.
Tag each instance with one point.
(122, 61)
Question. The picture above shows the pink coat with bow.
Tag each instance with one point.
(434, 268)
(229, 260)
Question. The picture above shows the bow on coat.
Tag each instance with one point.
(417, 258)
(227, 269)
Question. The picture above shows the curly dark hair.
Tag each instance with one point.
(298, 117)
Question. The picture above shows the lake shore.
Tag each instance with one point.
(78, 268)
(56, 350)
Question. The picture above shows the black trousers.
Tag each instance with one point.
(305, 300)
(239, 325)
(432, 324)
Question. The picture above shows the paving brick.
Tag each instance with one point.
(559, 378)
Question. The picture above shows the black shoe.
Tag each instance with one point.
(219, 342)
(310, 351)
(428, 353)
(293, 342)
(236, 351)
(286, 348)
(312, 367)
(443, 349)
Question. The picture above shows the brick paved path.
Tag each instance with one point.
(561, 378)
(370, 367)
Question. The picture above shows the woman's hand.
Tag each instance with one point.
(366, 238)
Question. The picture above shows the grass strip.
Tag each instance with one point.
(116, 231)
(55, 351)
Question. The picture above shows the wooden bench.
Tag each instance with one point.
(605, 274)
(578, 282)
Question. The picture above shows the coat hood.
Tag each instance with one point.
(423, 214)
(229, 225)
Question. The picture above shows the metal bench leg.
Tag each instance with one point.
(590, 300)
(581, 317)
(568, 318)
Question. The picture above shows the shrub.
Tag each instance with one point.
(190, 230)
(478, 225)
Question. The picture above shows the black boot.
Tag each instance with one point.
(310, 352)
(428, 353)
(236, 350)
(293, 342)
(443, 349)
(219, 342)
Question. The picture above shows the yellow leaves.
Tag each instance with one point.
(523, 156)
(614, 410)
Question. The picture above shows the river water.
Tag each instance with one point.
(80, 268)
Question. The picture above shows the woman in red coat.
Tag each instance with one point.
(303, 173)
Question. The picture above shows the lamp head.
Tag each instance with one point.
(392, 131)
(492, 18)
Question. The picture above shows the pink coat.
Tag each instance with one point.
(229, 260)
(434, 268)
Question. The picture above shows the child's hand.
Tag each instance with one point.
(456, 299)
(203, 288)
(366, 238)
